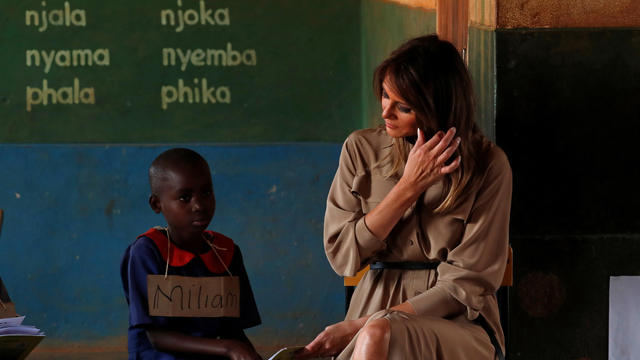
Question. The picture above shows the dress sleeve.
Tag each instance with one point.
(348, 242)
(143, 260)
(475, 267)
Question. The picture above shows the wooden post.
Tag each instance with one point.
(453, 23)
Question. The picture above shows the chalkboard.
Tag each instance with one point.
(179, 70)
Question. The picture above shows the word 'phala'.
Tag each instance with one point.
(73, 94)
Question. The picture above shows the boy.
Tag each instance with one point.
(181, 189)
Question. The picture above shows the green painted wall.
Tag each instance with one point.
(482, 66)
(305, 85)
(385, 26)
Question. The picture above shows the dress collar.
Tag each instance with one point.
(180, 257)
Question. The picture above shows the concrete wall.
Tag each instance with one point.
(567, 115)
(568, 118)
(557, 88)
(72, 208)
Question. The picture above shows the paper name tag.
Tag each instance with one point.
(184, 296)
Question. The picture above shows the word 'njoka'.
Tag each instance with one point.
(64, 95)
(55, 17)
(199, 93)
(185, 296)
(191, 17)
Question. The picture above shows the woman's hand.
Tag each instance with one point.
(426, 163)
(332, 340)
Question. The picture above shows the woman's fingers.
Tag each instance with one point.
(445, 141)
(420, 139)
(446, 155)
(319, 347)
(448, 169)
(419, 142)
(426, 162)
(313, 347)
(435, 139)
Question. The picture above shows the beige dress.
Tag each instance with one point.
(471, 242)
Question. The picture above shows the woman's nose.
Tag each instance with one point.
(387, 111)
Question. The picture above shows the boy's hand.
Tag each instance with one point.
(239, 350)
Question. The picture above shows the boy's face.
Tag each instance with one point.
(186, 200)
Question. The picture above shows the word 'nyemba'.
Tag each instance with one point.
(209, 57)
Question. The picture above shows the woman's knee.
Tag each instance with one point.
(378, 330)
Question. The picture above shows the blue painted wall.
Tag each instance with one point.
(70, 211)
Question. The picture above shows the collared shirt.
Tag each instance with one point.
(148, 255)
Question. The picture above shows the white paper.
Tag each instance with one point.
(13, 326)
(20, 330)
(286, 353)
(624, 317)
(11, 321)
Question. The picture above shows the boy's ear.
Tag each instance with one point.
(154, 202)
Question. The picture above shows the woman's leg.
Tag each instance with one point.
(373, 341)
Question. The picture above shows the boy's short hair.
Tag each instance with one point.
(171, 159)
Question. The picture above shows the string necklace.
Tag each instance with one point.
(214, 247)
(209, 242)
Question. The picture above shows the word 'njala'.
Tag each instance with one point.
(57, 17)
(200, 92)
(64, 95)
(64, 58)
(204, 16)
(209, 57)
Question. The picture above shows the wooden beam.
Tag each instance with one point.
(453, 22)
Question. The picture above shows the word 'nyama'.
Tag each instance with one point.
(64, 58)
(190, 17)
(64, 95)
(57, 17)
(209, 57)
(200, 92)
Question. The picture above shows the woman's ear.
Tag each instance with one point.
(154, 202)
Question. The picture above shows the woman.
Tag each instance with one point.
(425, 201)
